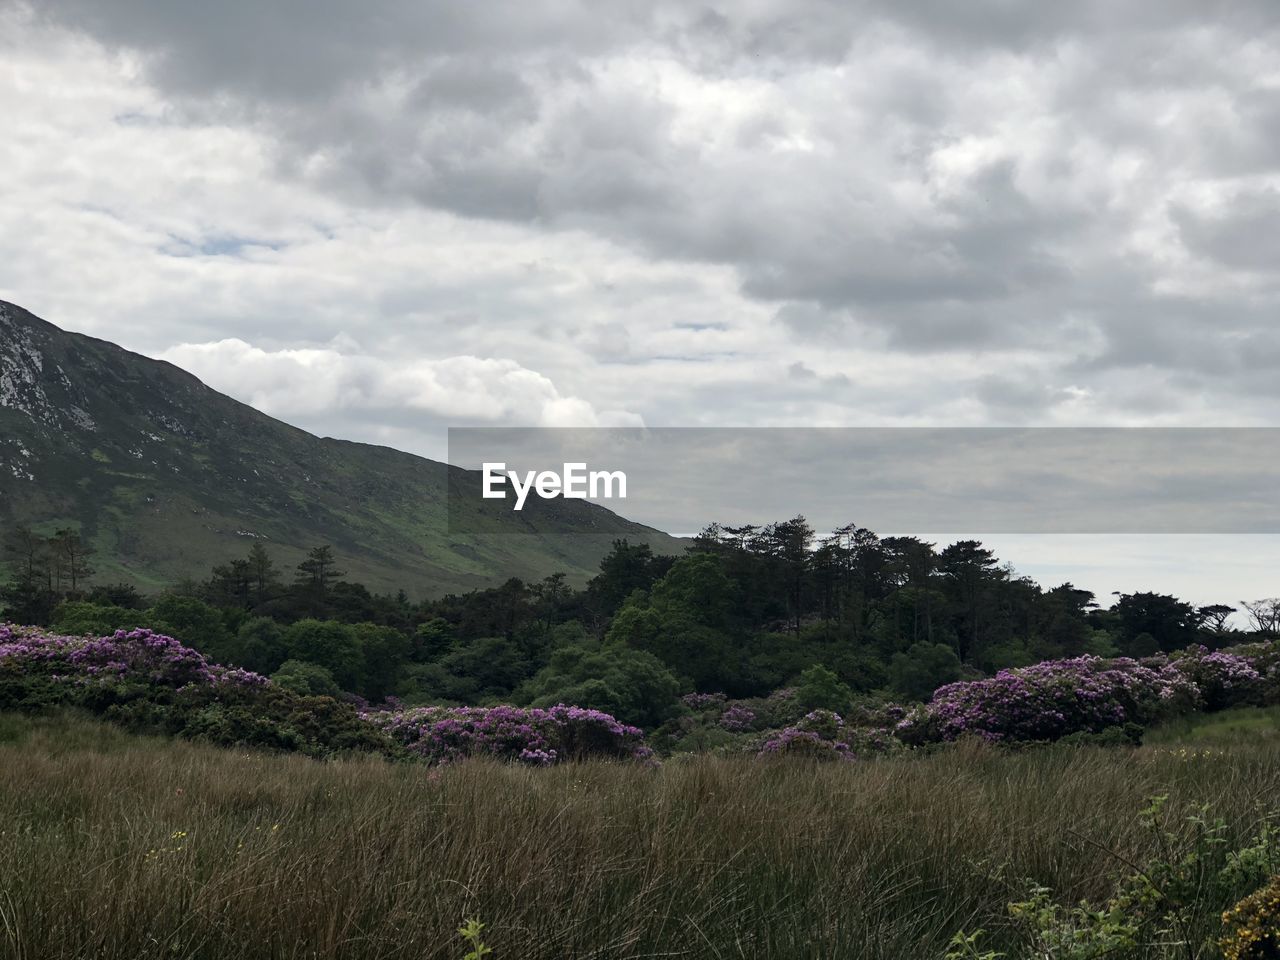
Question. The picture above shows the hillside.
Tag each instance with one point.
(165, 477)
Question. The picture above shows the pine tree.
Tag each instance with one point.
(318, 573)
(71, 560)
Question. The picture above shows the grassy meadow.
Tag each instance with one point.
(119, 846)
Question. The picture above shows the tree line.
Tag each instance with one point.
(745, 611)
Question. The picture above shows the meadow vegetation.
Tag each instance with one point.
(767, 748)
(114, 845)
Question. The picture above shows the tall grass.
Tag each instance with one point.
(114, 846)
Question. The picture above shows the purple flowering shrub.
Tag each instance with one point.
(150, 682)
(135, 657)
(1050, 700)
(738, 718)
(526, 734)
(1224, 679)
(818, 736)
(824, 735)
(795, 742)
(704, 701)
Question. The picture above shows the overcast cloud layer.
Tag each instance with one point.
(377, 219)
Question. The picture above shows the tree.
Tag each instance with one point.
(26, 552)
(117, 595)
(261, 646)
(969, 568)
(497, 665)
(1215, 616)
(1264, 614)
(307, 679)
(686, 622)
(318, 572)
(632, 685)
(71, 559)
(332, 645)
(29, 596)
(385, 651)
(1172, 623)
(820, 689)
(231, 584)
(433, 639)
(922, 669)
(262, 573)
(196, 624)
(624, 570)
(789, 544)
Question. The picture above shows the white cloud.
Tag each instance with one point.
(312, 383)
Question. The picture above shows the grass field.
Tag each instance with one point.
(1250, 725)
(116, 846)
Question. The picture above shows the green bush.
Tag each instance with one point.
(307, 679)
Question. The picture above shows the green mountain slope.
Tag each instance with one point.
(165, 477)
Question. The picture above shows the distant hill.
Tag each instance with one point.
(165, 477)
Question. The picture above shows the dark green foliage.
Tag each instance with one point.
(1158, 618)
(626, 569)
(330, 644)
(923, 668)
(496, 665)
(820, 689)
(307, 679)
(196, 623)
(683, 622)
(81, 617)
(261, 645)
(384, 652)
(117, 595)
(432, 639)
(632, 685)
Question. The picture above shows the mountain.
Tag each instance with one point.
(165, 477)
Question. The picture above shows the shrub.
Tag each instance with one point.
(308, 679)
(150, 682)
(1224, 679)
(529, 734)
(704, 701)
(80, 618)
(1253, 926)
(823, 735)
(631, 685)
(793, 741)
(1168, 906)
(1053, 699)
(820, 689)
(738, 718)
(922, 669)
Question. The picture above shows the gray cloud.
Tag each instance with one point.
(1243, 235)
(1048, 196)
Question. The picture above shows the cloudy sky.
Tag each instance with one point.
(377, 219)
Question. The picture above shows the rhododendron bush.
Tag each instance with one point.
(152, 681)
(1056, 698)
(528, 734)
(824, 735)
(134, 656)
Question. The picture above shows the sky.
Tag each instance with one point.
(377, 220)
